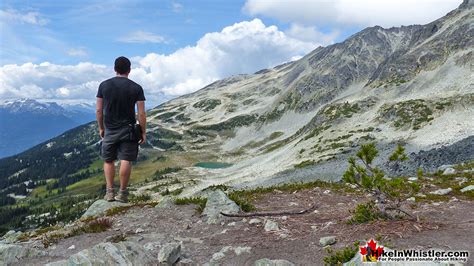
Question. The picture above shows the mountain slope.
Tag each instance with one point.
(411, 84)
(27, 122)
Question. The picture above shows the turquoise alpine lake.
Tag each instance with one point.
(213, 165)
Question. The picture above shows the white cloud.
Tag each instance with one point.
(386, 13)
(77, 52)
(177, 7)
(34, 18)
(311, 34)
(50, 81)
(142, 37)
(244, 47)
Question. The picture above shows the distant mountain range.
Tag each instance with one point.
(27, 122)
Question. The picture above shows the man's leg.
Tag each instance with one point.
(109, 172)
(127, 152)
(125, 170)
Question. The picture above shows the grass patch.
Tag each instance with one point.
(316, 132)
(338, 110)
(244, 204)
(412, 113)
(230, 124)
(304, 164)
(199, 201)
(207, 104)
(274, 146)
(93, 226)
(158, 188)
(117, 210)
(160, 174)
(140, 198)
(216, 187)
(256, 144)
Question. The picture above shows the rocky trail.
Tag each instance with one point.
(147, 235)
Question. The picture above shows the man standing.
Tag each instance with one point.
(115, 112)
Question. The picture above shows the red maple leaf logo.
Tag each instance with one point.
(371, 251)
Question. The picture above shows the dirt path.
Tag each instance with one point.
(444, 225)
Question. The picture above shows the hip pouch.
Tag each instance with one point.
(134, 132)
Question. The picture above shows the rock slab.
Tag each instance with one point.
(122, 253)
(100, 207)
(217, 202)
(269, 262)
(10, 254)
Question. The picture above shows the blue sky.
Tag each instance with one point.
(75, 31)
(61, 50)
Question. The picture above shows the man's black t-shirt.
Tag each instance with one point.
(119, 97)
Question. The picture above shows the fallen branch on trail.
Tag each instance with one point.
(259, 214)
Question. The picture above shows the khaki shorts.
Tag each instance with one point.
(116, 145)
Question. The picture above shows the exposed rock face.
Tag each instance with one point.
(10, 254)
(218, 202)
(100, 207)
(122, 253)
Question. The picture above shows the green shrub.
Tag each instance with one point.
(341, 256)
(370, 178)
(365, 212)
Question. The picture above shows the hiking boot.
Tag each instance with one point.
(109, 194)
(122, 196)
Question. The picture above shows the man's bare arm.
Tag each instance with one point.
(100, 116)
(142, 119)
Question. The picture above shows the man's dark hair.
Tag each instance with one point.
(122, 65)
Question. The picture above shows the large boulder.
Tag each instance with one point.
(100, 207)
(122, 253)
(10, 254)
(217, 202)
